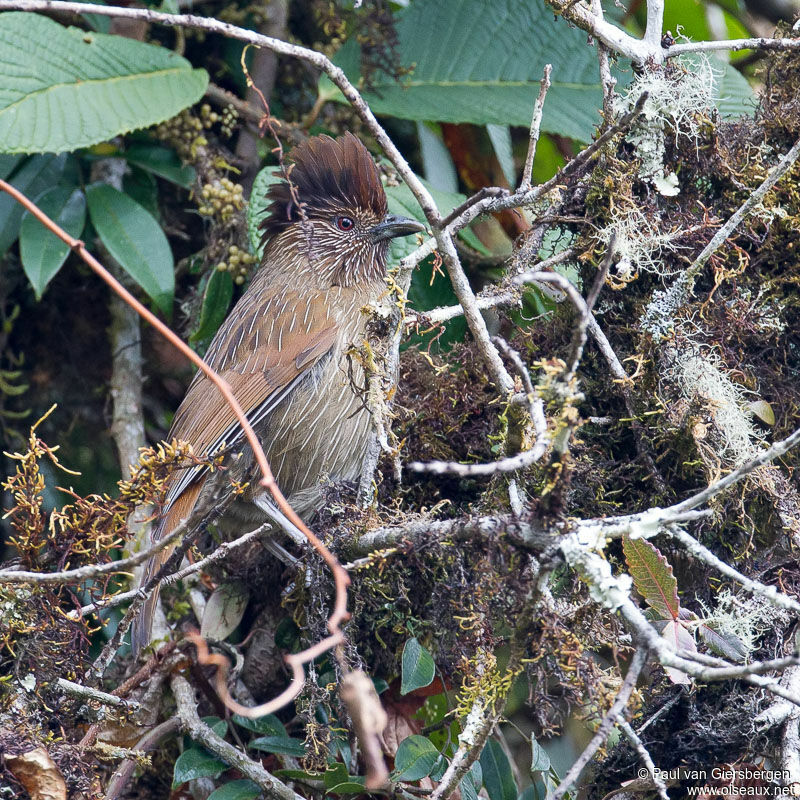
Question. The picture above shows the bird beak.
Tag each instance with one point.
(394, 226)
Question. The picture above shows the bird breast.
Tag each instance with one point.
(320, 431)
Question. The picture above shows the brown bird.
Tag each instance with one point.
(282, 348)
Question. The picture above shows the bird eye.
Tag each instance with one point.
(344, 223)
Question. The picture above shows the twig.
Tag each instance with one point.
(369, 720)
(648, 636)
(476, 323)
(314, 58)
(222, 551)
(644, 755)
(119, 780)
(501, 199)
(654, 25)
(444, 313)
(638, 50)
(502, 465)
(520, 198)
(727, 670)
(487, 299)
(584, 311)
(607, 723)
(767, 456)
(758, 43)
(536, 124)
(155, 667)
(95, 695)
(479, 724)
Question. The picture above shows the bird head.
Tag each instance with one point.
(329, 214)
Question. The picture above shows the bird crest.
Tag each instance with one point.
(325, 175)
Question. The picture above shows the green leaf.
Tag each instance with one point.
(297, 774)
(73, 88)
(498, 779)
(652, 576)
(42, 252)
(733, 94)
(280, 745)
(216, 301)
(224, 611)
(465, 67)
(336, 774)
(723, 643)
(161, 161)
(196, 763)
(418, 668)
(35, 176)
(135, 240)
(269, 725)
(540, 761)
(236, 790)
(468, 790)
(437, 163)
(763, 410)
(8, 164)
(500, 137)
(415, 759)
(257, 207)
(141, 186)
(219, 726)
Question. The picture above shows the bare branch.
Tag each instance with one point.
(654, 25)
(766, 457)
(638, 50)
(475, 321)
(536, 124)
(758, 43)
(702, 553)
(95, 695)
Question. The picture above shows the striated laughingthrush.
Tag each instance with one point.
(283, 347)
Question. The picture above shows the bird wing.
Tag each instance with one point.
(262, 356)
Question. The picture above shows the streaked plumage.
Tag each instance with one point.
(282, 348)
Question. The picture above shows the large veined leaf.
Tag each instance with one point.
(64, 88)
(481, 61)
(135, 240)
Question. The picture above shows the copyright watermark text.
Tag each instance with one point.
(726, 781)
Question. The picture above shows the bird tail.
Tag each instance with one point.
(178, 510)
(142, 626)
